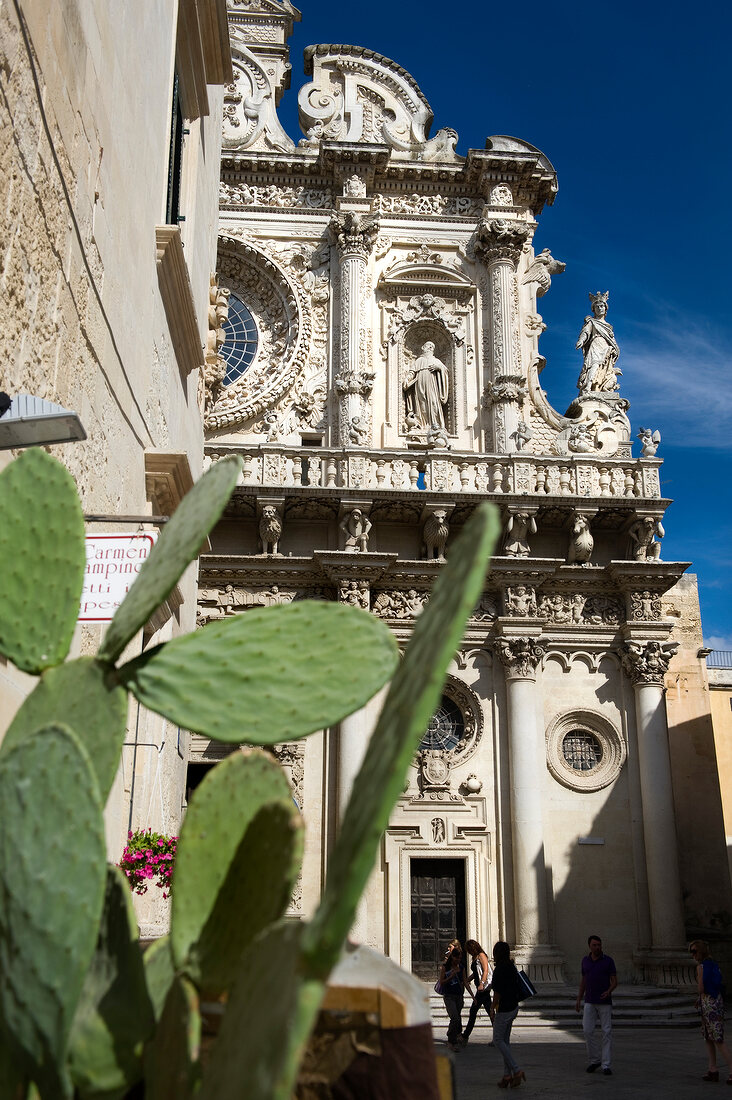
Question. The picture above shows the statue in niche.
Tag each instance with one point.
(356, 527)
(438, 830)
(597, 341)
(426, 388)
(435, 532)
(520, 525)
(270, 529)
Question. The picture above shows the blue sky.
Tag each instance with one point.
(628, 101)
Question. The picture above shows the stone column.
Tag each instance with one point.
(647, 663)
(499, 246)
(520, 657)
(354, 229)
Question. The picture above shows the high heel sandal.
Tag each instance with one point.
(505, 1081)
(517, 1079)
(711, 1075)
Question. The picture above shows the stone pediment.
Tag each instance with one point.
(357, 95)
(426, 274)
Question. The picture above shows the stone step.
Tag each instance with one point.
(553, 1007)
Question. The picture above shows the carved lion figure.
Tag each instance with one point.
(436, 530)
(270, 529)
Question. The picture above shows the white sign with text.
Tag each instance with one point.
(112, 563)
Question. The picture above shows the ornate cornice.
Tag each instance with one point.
(647, 662)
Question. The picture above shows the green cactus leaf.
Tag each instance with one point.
(273, 674)
(114, 1017)
(41, 551)
(237, 861)
(412, 699)
(262, 1038)
(159, 973)
(52, 876)
(82, 695)
(179, 543)
(172, 1069)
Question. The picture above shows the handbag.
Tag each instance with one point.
(438, 986)
(526, 987)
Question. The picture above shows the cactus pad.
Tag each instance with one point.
(171, 1061)
(81, 695)
(412, 700)
(237, 861)
(42, 560)
(159, 973)
(273, 674)
(262, 1038)
(52, 876)
(114, 1017)
(179, 543)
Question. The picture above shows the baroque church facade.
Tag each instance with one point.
(378, 368)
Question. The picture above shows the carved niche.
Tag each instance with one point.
(425, 300)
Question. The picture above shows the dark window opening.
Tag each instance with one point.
(175, 159)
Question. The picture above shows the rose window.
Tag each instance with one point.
(446, 728)
(241, 342)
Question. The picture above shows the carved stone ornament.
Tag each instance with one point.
(562, 609)
(501, 240)
(354, 232)
(519, 526)
(250, 113)
(214, 369)
(645, 606)
(434, 773)
(506, 387)
(419, 203)
(647, 662)
(355, 593)
(584, 751)
(434, 533)
(238, 193)
(270, 529)
(520, 600)
(501, 195)
(354, 187)
(581, 543)
(649, 442)
(540, 271)
(356, 528)
(437, 824)
(357, 95)
(642, 532)
(393, 604)
(600, 350)
(520, 656)
(602, 611)
(426, 307)
(284, 327)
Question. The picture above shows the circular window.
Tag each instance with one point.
(240, 345)
(446, 728)
(581, 750)
(584, 751)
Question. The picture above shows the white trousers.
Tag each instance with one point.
(604, 1015)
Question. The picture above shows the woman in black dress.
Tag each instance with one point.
(481, 975)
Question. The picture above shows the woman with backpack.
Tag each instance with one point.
(710, 1004)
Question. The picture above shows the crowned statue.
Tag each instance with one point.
(600, 351)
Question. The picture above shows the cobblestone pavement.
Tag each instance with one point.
(647, 1062)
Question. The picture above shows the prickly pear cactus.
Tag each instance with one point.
(41, 551)
(179, 543)
(114, 1017)
(159, 973)
(274, 674)
(172, 1067)
(266, 1042)
(83, 695)
(52, 876)
(238, 858)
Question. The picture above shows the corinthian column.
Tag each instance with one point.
(520, 657)
(354, 231)
(647, 663)
(499, 246)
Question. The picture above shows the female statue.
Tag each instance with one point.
(600, 351)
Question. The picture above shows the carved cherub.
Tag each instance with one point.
(270, 529)
(522, 435)
(357, 432)
(643, 544)
(435, 532)
(649, 441)
(356, 527)
(520, 601)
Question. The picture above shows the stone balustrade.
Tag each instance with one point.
(277, 466)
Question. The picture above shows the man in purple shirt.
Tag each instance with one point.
(599, 979)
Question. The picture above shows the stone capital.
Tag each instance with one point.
(501, 239)
(520, 656)
(505, 387)
(647, 662)
(354, 233)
